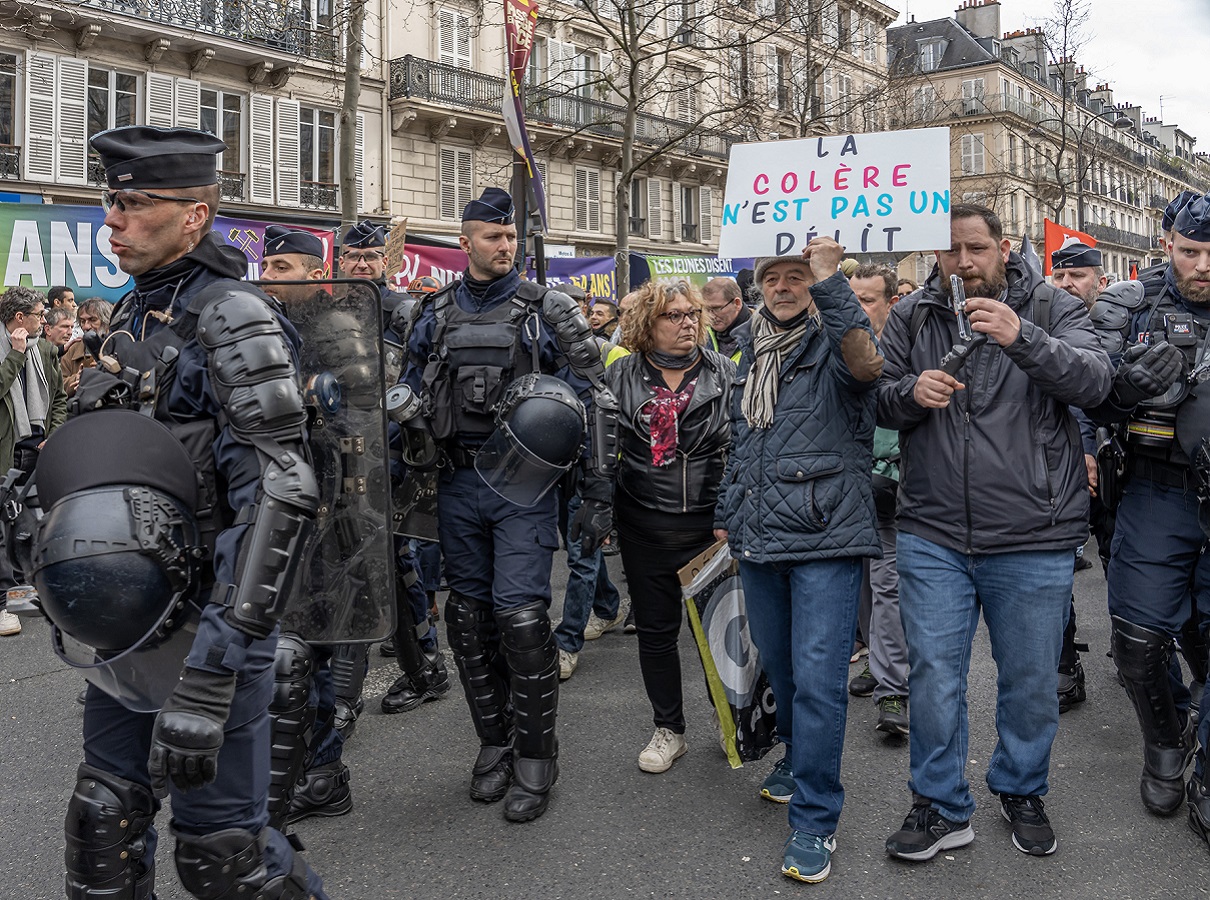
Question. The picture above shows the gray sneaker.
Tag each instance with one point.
(597, 626)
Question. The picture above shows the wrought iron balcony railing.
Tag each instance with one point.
(1112, 235)
(319, 195)
(231, 185)
(422, 79)
(10, 161)
(271, 23)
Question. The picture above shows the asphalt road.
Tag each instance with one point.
(699, 830)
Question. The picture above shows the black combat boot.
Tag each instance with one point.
(533, 660)
(475, 642)
(349, 665)
(409, 691)
(1071, 673)
(1198, 796)
(1142, 658)
(322, 791)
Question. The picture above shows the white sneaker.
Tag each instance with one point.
(597, 626)
(9, 624)
(567, 664)
(665, 748)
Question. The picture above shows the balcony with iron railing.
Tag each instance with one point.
(10, 161)
(268, 23)
(231, 185)
(1112, 235)
(319, 195)
(421, 79)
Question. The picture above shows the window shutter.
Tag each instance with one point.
(466, 179)
(766, 8)
(287, 163)
(676, 213)
(159, 99)
(448, 176)
(655, 215)
(581, 199)
(447, 38)
(771, 76)
(463, 41)
(72, 136)
(594, 200)
(675, 13)
(39, 155)
(561, 63)
(260, 149)
(706, 223)
(188, 96)
(359, 158)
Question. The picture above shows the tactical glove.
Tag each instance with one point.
(188, 732)
(593, 521)
(1146, 372)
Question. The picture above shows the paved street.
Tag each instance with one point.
(614, 832)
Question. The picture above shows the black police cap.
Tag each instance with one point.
(365, 235)
(1075, 254)
(494, 205)
(146, 157)
(279, 240)
(1179, 202)
(1193, 221)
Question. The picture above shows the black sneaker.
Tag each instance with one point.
(926, 832)
(863, 685)
(893, 715)
(628, 627)
(1032, 833)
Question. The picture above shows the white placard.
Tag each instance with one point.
(874, 193)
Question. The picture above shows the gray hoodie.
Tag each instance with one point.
(1001, 468)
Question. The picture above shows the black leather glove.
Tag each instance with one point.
(1146, 372)
(592, 524)
(188, 732)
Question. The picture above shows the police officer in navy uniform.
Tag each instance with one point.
(1157, 561)
(472, 350)
(363, 255)
(180, 348)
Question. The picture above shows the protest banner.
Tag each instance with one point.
(697, 270)
(443, 263)
(49, 244)
(874, 193)
(597, 275)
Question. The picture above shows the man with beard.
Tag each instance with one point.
(1159, 566)
(992, 498)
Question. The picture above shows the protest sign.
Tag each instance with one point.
(443, 263)
(697, 270)
(597, 275)
(874, 193)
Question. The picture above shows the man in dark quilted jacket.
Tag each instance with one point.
(798, 512)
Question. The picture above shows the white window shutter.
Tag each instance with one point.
(771, 76)
(581, 199)
(448, 178)
(594, 200)
(447, 37)
(40, 104)
(463, 41)
(359, 159)
(675, 13)
(260, 162)
(706, 224)
(159, 99)
(188, 105)
(466, 178)
(655, 216)
(561, 63)
(72, 135)
(287, 164)
(676, 213)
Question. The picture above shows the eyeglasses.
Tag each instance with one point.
(36, 314)
(130, 201)
(676, 317)
(716, 310)
(355, 258)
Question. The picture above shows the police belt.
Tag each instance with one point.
(1167, 474)
(462, 457)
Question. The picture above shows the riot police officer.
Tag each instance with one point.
(363, 255)
(475, 352)
(1157, 560)
(219, 498)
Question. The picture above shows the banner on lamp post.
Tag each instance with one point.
(520, 22)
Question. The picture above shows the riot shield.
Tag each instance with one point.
(415, 505)
(345, 592)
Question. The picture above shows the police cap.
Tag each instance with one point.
(1075, 254)
(1175, 205)
(494, 205)
(1193, 221)
(364, 235)
(280, 240)
(145, 157)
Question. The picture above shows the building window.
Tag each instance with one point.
(1012, 154)
(844, 99)
(8, 98)
(112, 99)
(223, 116)
(870, 39)
(456, 178)
(637, 226)
(689, 213)
(588, 199)
(972, 154)
(317, 157)
(924, 103)
(930, 55)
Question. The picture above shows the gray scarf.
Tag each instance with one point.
(771, 344)
(30, 406)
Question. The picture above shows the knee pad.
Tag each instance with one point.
(230, 864)
(1140, 654)
(470, 625)
(106, 827)
(527, 638)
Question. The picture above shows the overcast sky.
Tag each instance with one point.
(1145, 49)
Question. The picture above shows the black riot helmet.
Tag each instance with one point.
(540, 426)
(118, 552)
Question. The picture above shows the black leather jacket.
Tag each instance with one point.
(691, 482)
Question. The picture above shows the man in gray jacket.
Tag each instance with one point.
(993, 496)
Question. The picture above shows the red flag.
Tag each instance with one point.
(1053, 237)
(1134, 271)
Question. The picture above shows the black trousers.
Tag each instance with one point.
(651, 556)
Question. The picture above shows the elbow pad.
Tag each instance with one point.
(251, 367)
(603, 424)
(574, 336)
(271, 551)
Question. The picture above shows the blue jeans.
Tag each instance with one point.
(588, 588)
(802, 617)
(1025, 597)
